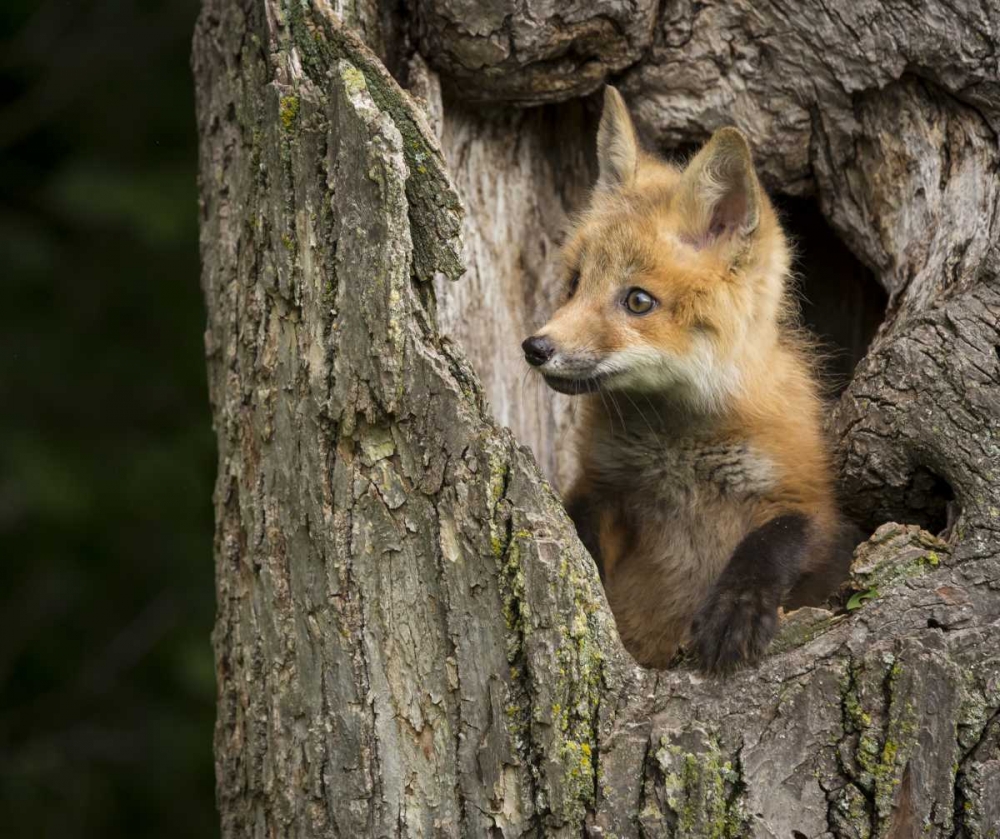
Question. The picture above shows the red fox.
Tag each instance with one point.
(705, 491)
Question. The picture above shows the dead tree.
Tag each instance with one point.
(411, 641)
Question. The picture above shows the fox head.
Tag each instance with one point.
(674, 277)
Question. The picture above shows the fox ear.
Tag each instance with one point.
(617, 147)
(720, 193)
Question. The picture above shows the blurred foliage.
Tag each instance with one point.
(106, 451)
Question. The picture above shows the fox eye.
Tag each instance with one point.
(574, 283)
(639, 302)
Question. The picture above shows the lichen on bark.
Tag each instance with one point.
(410, 638)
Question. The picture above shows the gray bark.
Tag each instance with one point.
(531, 51)
(410, 638)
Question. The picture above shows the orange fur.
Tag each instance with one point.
(717, 373)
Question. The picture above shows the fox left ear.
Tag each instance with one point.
(720, 194)
(617, 146)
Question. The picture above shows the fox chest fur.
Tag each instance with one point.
(670, 509)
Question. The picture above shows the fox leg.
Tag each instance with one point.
(600, 527)
(739, 616)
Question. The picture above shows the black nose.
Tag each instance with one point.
(537, 350)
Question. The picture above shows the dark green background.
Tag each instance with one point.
(106, 449)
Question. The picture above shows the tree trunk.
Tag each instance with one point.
(410, 638)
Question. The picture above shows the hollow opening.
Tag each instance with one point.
(844, 305)
(842, 302)
(930, 500)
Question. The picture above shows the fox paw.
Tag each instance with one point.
(733, 628)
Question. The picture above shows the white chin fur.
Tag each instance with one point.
(699, 376)
(567, 366)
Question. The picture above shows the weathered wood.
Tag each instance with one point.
(380, 539)
(519, 175)
(410, 638)
(531, 51)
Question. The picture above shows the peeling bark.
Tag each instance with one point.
(410, 638)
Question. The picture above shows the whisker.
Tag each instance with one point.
(524, 380)
(600, 392)
(611, 396)
(653, 409)
(639, 410)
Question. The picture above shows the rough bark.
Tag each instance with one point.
(410, 638)
(531, 51)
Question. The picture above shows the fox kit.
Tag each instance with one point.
(705, 492)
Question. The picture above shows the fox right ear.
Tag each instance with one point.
(719, 193)
(617, 147)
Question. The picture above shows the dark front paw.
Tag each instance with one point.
(733, 628)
